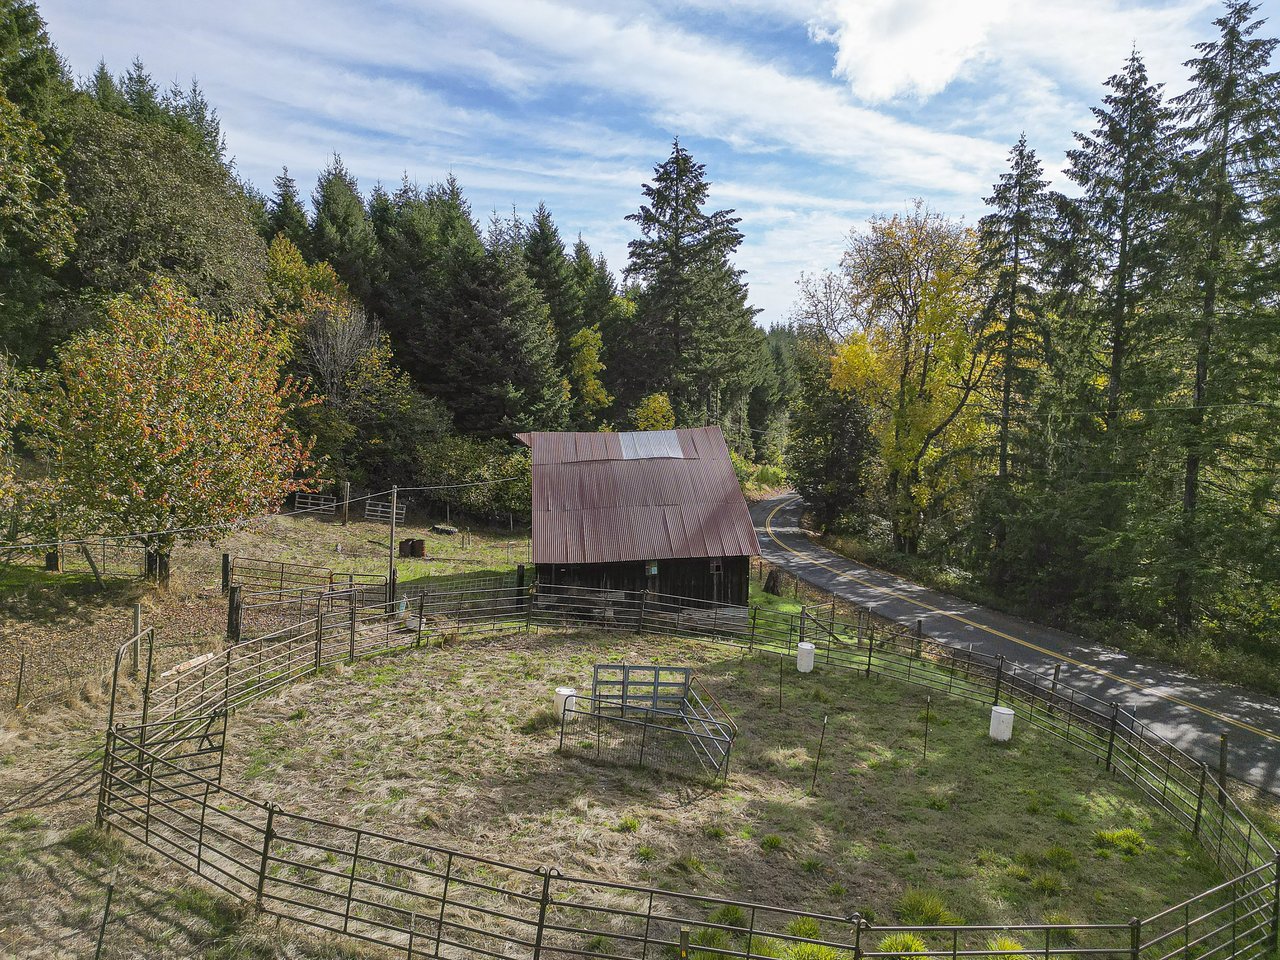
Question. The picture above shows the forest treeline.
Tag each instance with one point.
(1069, 407)
(1073, 406)
(420, 338)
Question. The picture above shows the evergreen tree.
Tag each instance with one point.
(1011, 246)
(285, 214)
(341, 232)
(140, 92)
(552, 273)
(190, 114)
(830, 452)
(692, 320)
(105, 92)
(32, 75)
(1231, 130)
(494, 348)
(429, 244)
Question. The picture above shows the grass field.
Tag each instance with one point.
(455, 746)
(66, 628)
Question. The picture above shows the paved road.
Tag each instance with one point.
(1187, 710)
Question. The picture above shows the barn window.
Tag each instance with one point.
(651, 568)
(716, 566)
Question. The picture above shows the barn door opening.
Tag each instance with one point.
(717, 581)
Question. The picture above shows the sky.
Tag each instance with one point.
(810, 115)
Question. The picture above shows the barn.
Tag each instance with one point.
(657, 510)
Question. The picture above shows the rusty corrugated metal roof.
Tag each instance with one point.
(652, 495)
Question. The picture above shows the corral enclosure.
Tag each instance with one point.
(458, 747)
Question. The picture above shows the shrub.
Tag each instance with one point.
(645, 854)
(1061, 858)
(540, 720)
(716, 939)
(1125, 841)
(924, 908)
(729, 915)
(806, 927)
(1060, 938)
(1047, 883)
(627, 824)
(1004, 943)
(836, 890)
(901, 946)
(812, 865)
(771, 476)
(770, 842)
(814, 951)
(713, 831)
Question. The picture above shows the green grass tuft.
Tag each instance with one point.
(1125, 841)
(924, 908)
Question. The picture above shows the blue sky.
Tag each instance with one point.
(811, 115)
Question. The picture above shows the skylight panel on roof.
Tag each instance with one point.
(651, 445)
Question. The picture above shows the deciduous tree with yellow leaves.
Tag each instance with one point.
(914, 354)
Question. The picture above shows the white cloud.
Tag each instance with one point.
(891, 48)
(888, 49)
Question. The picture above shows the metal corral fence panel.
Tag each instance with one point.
(260, 575)
(670, 740)
(616, 687)
(392, 891)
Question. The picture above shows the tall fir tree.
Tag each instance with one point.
(32, 74)
(692, 319)
(1231, 132)
(285, 214)
(552, 273)
(341, 232)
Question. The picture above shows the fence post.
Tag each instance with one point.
(542, 910)
(226, 573)
(528, 607)
(422, 607)
(1275, 906)
(267, 835)
(346, 501)
(351, 880)
(1222, 769)
(1111, 734)
(1204, 776)
(101, 819)
(644, 600)
(1135, 938)
(684, 943)
(234, 611)
(137, 632)
(999, 678)
(871, 643)
(351, 632)
(751, 643)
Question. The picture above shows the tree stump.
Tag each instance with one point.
(773, 583)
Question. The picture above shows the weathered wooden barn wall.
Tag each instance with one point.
(719, 579)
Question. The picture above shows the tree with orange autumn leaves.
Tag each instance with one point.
(168, 420)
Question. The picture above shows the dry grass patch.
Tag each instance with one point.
(455, 747)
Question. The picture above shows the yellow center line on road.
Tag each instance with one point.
(1146, 688)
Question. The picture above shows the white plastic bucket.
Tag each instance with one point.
(804, 657)
(566, 697)
(1001, 724)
